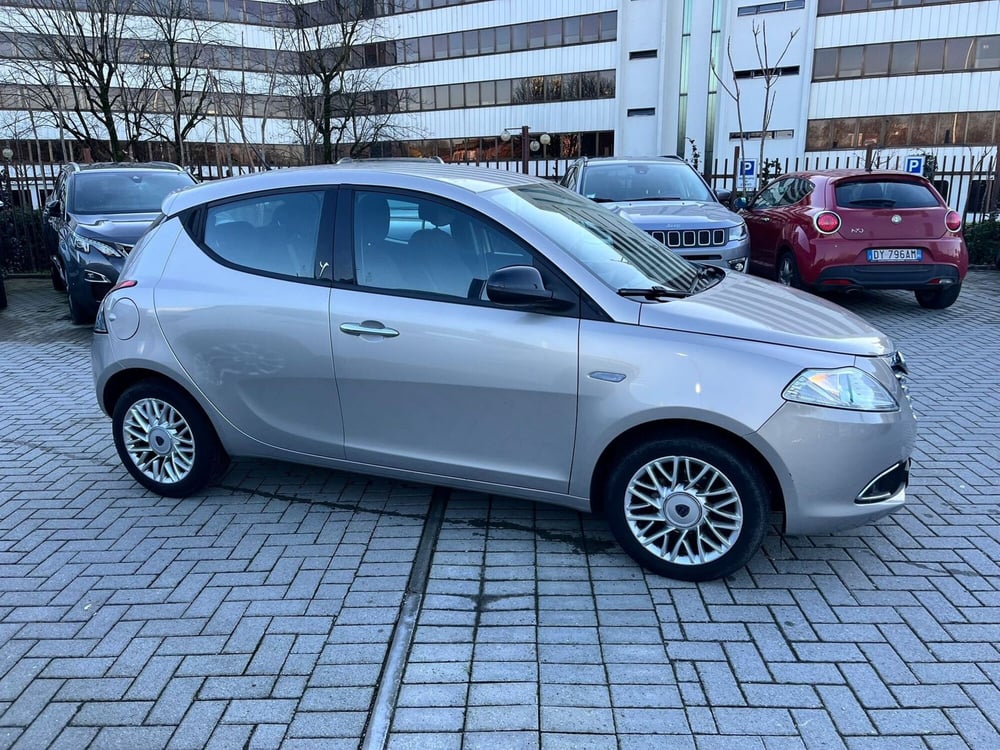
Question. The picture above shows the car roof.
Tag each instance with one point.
(422, 175)
(839, 174)
(635, 160)
(130, 165)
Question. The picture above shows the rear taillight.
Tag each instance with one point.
(126, 284)
(827, 222)
(953, 221)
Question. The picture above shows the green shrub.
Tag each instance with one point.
(22, 248)
(983, 241)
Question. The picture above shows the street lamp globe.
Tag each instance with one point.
(545, 139)
(8, 154)
(534, 145)
(505, 136)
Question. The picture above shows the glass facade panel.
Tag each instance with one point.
(904, 58)
(877, 59)
(931, 56)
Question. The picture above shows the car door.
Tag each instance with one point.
(433, 377)
(248, 319)
(53, 216)
(764, 225)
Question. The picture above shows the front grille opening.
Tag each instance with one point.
(886, 485)
(675, 238)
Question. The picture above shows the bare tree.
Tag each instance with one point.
(768, 71)
(79, 59)
(339, 84)
(179, 53)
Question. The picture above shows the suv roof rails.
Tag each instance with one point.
(75, 166)
(354, 160)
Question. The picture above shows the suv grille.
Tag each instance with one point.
(690, 237)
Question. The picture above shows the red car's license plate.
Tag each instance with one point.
(895, 255)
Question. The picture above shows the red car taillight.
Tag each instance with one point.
(953, 221)
(126, 284)
(827, 222)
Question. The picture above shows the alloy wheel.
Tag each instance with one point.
(683, 510)
(159, 441)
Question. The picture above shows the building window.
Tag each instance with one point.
(786, 70)
(753, 10)
(900, 131)
(831, 7)
(641, 112)
(642, 54)
(907, 58)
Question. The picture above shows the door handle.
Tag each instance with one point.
(368, 328)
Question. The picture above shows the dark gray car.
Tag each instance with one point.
(92, 220)
(668, 199)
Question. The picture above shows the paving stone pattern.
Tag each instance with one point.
(259, 615)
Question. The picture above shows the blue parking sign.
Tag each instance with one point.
(748, 168)
(914, 165)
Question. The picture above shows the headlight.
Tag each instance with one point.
(846, 388)
(739, 232)
(86, 244)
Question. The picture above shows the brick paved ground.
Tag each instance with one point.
(260, 614)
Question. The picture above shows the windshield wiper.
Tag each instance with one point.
(653, 292)
(652, 198)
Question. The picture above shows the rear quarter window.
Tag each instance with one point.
(885, 194)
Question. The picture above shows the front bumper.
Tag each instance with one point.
(828, 463)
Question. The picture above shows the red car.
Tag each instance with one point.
(852, 229)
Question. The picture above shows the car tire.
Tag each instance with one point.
(165, 440)
(938, 299)
(788, 270)
(687, 508)
(58, 282)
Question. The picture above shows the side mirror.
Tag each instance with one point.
(517, 285)
(739, 204)
(723, 195)
(54, 208)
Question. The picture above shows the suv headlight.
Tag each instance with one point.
(844, 388)
(86, 244)
(739, 232)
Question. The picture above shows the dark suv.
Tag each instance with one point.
(92, 219)
(667, 198)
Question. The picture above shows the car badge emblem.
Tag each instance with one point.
(897, 219)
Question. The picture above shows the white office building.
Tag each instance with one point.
(605, 77)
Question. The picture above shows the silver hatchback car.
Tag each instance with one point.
(483, 330)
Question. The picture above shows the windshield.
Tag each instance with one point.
(615, 250)
(624, 181)
(124, 192)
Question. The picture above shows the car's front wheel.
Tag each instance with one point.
(938, 299)
(58, 279)
(687, 508)
(165, 440)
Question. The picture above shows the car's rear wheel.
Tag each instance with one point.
(938, 299)
(165, 440)
(788, 270)
(687, 508)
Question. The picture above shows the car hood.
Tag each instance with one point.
(744, 307)
(674, 214)
(125, 229)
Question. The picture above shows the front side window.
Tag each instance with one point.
(771, 196)
(276, 233)
(616, 182)
(409, 243)
(616, 251)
